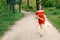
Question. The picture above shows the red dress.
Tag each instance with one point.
(41, 15)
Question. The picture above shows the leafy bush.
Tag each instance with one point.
(7, 19)
(30, 8)
(54, 17)
(48, 4)
(58, 6)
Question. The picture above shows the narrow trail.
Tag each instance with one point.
(28, 29)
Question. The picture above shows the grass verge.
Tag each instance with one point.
(53, 15)
(7, 19)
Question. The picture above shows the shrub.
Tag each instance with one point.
(30, 8)
(48, 4)
(58, 6)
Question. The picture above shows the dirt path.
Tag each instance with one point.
(28, 29)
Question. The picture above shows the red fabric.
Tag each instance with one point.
(41, 15)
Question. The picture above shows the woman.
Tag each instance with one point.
(41, 18)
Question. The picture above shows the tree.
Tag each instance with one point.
(28, 3)
(12, 4)
(57, 4)
(20, 1)
(3, 6)
(37, 4)
(8, 1)
(45, 3)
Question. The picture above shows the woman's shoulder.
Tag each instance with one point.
(40, 11)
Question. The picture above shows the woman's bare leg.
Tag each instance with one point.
(41, 27)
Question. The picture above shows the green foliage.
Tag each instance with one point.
(18, 2)
(45, 3)
(58, 6)
(30, 8)
(3, 5)
(7, 17)
(53, 16)
(48, 4)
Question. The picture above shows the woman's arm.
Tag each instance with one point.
(39, 17)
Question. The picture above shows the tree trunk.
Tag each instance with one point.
(20, 5)
(13, 5)
(28, 3)
(37, 4)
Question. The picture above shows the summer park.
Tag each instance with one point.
(29, 19)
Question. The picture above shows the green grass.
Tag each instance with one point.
(7, 19)
(53, 15)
